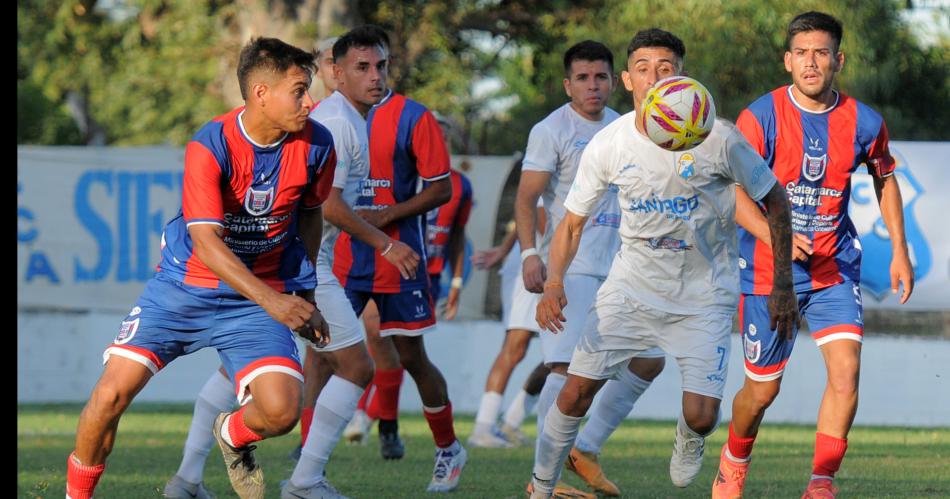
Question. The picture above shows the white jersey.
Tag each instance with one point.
(678, 231)
(351, 142)
(555, 146)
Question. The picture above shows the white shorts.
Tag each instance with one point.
(346, 329)
(508, 272)
(619, 328)
(524, 305)
(581, 291)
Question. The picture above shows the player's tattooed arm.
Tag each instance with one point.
(783, 304)
(750, 217)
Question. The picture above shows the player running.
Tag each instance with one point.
(654, 296)
(813, 138)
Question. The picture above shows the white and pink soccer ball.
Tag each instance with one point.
(678, 113)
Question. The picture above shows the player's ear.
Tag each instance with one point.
(840, 58)
(259, 92)
(627, 80)
(567, 86)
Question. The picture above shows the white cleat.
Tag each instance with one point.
(515, 436)
(492, 439)
(322, 490)
(687, 457)
(448, 468)
(357, 430)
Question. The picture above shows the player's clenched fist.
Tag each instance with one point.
(316, 330)
(549, 314)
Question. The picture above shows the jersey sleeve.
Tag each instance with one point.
(201, 201)
(589, 184)
(428, 146)
(746, 167)
(752, 131)
(319, 188)
(347, 148)
(541, 153)
(880, 163)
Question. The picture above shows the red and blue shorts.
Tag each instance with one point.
(171, 319)
(409, 313)
(833, 313)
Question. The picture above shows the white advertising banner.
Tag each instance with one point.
(89, 223)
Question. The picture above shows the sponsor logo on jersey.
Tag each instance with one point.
(668, 243)
(677, 207)
(581, 143)
(753, 350)
(628, 166)
(813, 167)
(368, 186)
(127, 331)
(607, 220)
(257, 202)
(686, 166)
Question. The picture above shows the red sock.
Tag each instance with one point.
(385, 402)
(442, 425)
(81, 480)
(240, 434)
(740, 448)
(306, 417)
(829, 452)
(361, 405)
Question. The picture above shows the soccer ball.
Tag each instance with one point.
(678, 113)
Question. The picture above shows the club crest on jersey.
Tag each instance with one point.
(686, 166)
(127, 331)
(813, 167)
(753, 350)
(259, 203)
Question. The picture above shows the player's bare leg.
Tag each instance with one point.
(512, 351)
(121, 380)
(620, 395)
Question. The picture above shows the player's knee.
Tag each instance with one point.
(362, 373)
(703, 418)
(513, 354)
(763, 394)
(575, 399)
(108, 401)
(279, 422)
(844, 384)
(647, 369)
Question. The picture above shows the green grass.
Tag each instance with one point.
(882, 462)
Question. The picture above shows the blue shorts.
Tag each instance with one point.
(833, 313)
(171, 319)
(409, 313)
(435, 287)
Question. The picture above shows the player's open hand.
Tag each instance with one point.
(902, 272)
(801, 247)
(486, 259)
(452, 304)
(534, 274)
(316, 331)
(783, 311)
(289, 310)
(549, 313)
(403, 258)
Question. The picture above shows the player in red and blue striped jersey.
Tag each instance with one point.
(243, 240)
(446, 241)
(406, 147)
(813, 138)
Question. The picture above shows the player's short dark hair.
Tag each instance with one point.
(587, 50)
(367, 35)
(814, 21)
(272, 55)
(656, 37)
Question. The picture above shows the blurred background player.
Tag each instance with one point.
(813, 138)
(680, 297)
(223, 281)
(406, 145)
(518, 306)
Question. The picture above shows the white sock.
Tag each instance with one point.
(554, 443)
(487, 412)
(215, 397)
(519, 408)
(334, 408)
(619, 396)
(548, 396)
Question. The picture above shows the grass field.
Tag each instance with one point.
(882, 462)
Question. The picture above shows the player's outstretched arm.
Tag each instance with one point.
(783, 304)
(750, 217)
(892, 211)
(567, 238)
(209, 247)
(530, 187)
(395, 252)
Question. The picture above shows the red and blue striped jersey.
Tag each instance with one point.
(254, 193)
(405, 145)
(442, 220)
(813, 155)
